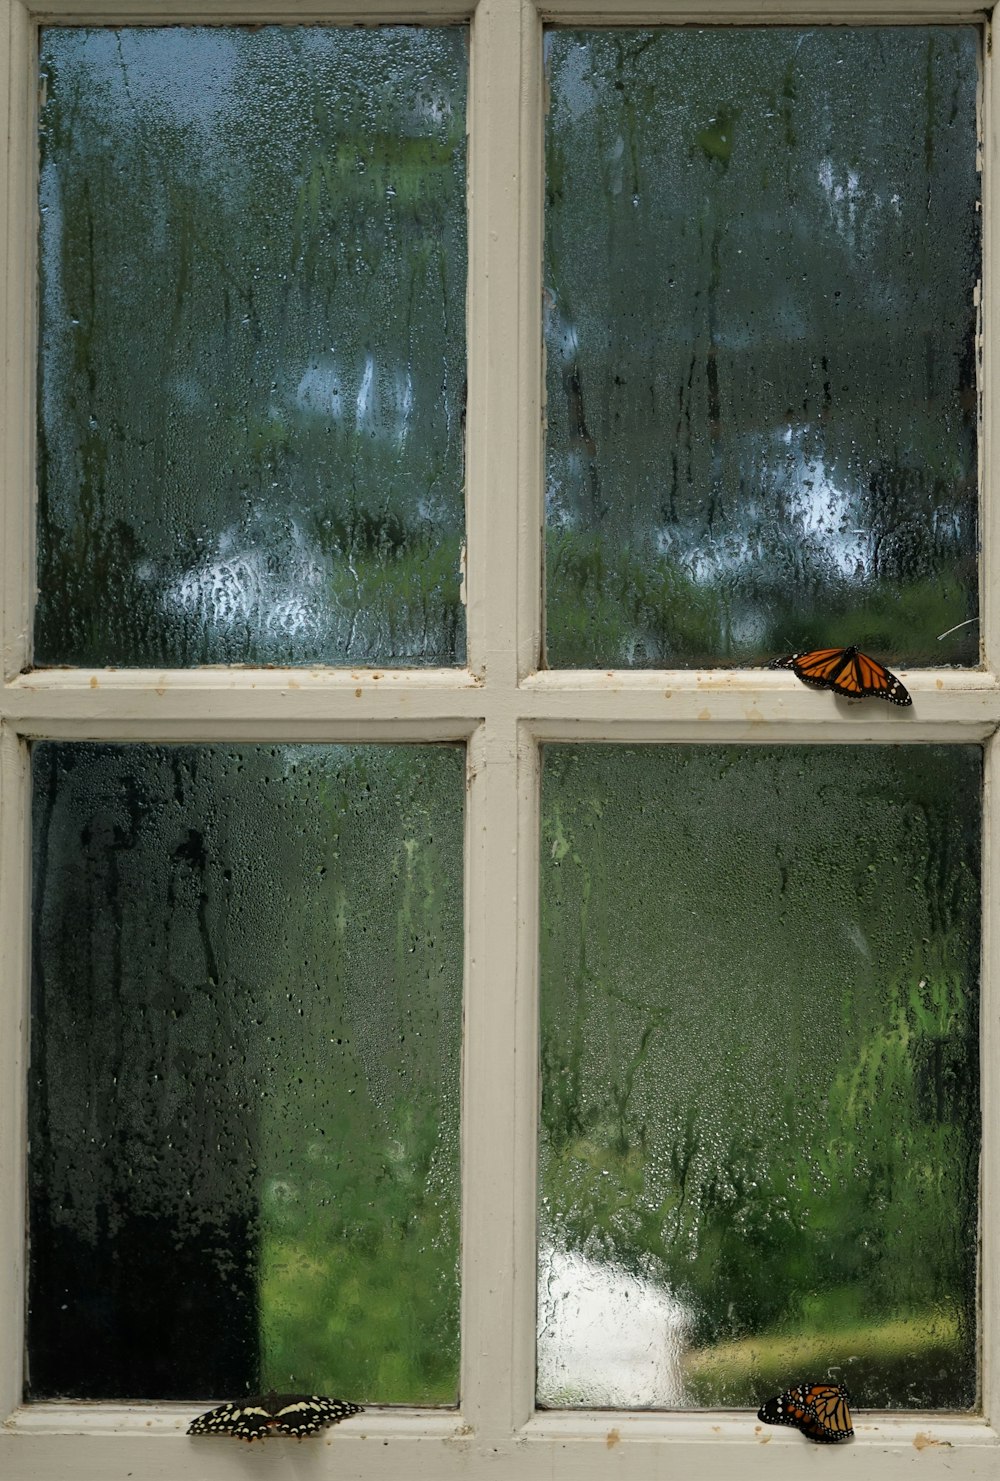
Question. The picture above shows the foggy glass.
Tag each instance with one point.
(762, 248)
(760, 1125)
(244, 1083)
(252, 346)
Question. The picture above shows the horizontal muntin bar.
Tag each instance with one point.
(759, 705)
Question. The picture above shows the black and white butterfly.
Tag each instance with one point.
(273, 1414)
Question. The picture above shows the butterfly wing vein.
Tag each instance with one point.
(820, 1410)
(846, 671)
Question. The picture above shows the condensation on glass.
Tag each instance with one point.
(244, 1080)
(760, 1114)
(252, 346)
(762, 249)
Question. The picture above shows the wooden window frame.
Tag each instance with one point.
(503, 706)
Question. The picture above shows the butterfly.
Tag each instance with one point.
(847, 671)
(278, 1414)
(820, 1410)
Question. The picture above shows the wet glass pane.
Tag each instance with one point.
(760, 1124)
(252, 349)
(245, 1071)
(761, 256)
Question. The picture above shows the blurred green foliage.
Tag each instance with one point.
(762, 246)
(637, 608)
(251, 450)
(760, 1055)
(358, 1277)
(359, 1196)
(247, 1038)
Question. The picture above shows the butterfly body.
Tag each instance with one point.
(273, 1414)
(846, 671)
(820, 1410)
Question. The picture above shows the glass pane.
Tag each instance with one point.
(760, 1123)
(762, 249)
(245, 1071)
(253, 277)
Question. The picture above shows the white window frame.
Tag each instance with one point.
(503, 707)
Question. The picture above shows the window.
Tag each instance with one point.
(165, 690)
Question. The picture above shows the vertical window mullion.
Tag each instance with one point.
(17, 308)
(504, 495)
(989, 632)
(504, 459)
(989, 321)
(18, 216)
(989, 1178)
(15, 874)
(500, 1084)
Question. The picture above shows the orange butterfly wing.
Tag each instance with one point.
(819, 667)
(875, 678)
(846, 671)
(820, 1410)
(849, 681)
(829, 1420)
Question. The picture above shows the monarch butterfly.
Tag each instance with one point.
(820, 1410)
(846, 671)
(279, 1414)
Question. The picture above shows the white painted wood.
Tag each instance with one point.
(248, 704)
(755, 707)
(505, 344)
(738, 1428)
(989, 1179)
(590, 12)
(988, 352)
(530, 585)
(504, 618)
(17, 368)
(989, 1189)
(940, 684)
(758, 12)
(166, 1421)
(527, 1087)
(687, 705)
(500, 1085)
(250, 12)
(14, 914)
(381, 1447)
(492, 441)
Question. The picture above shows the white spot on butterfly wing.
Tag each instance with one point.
(299, 1416)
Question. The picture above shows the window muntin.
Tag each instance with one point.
(760, 1074)
(762, 251)
(251, 395)
(245, 1064)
